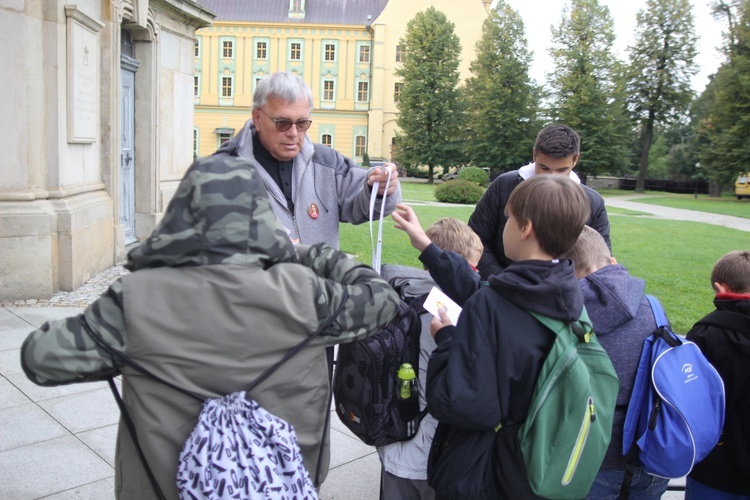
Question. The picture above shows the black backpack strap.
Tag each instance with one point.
(120, 358)
(631, 459)
(131, 430)
(417, 303)
(294, 350)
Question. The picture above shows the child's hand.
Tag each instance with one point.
(406, 220)
(439, 322)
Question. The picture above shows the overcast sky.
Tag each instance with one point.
(539, 15)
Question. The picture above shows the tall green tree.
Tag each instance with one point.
(502, 99)
(431, 113)
(705, 132)
(585, 92)
(725, 124)
(661, 64)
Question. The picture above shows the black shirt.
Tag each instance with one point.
(280, 171)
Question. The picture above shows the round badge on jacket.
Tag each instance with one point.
(313, 211)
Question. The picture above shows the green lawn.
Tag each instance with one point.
(356, 240)
(625, 211)
(419, 191)
(723, 206)
(674, 257)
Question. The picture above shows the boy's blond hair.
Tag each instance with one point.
(733, 270)
(590, 253)
(557, 207)
(452, 234)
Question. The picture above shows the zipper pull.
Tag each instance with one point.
(592, 410)
(654, 415)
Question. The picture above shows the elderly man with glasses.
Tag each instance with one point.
(311, 187)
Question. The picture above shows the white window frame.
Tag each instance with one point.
(231, 86)
(224, 48)
(364, 50)
(360, 149)
(332, 90)
(292, 49)
(360, 91)
(332, 51)
(258, 49)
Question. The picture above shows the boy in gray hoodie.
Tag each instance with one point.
(622, 319)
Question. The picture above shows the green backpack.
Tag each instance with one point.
(568, 428)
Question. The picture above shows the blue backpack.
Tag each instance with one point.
(676, 411)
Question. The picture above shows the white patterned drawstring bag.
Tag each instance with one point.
(238, 450)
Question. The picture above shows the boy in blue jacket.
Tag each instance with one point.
(484, 369)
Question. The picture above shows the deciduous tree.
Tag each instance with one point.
(585, 94)
(661, 65)
(724, 125)
(431, 115)
(503, 100)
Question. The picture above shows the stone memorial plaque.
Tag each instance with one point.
(83, 76)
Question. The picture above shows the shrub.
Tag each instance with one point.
(474, 174)
(459, 191)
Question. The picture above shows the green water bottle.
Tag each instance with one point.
(407, 380)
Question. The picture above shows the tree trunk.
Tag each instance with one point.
(648, 136)
(714, 188)
(430, 172)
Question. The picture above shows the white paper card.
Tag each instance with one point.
(436, 299)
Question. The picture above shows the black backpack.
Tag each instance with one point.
(365, 386)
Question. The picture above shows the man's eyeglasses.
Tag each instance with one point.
(282, 124)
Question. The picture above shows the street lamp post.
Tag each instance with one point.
(697, 168)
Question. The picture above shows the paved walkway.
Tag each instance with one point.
(58, 443)
(631, 203)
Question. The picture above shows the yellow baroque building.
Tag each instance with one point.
(347, 51)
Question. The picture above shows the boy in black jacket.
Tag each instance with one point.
(724, 337)
(557, 150)
(484, 369)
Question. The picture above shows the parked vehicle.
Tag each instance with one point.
(742, 185)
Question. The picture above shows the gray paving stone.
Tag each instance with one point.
(346, 448)
(37, 316)
(10, 320)
(49, 467)
(99, 490)
(102, 441)
(10, 361)
(27, 424)
(83, 412)
(359, 479)
(12, 338)
(10, 396)
(38, 393)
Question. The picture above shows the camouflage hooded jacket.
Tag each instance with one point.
(217, 294)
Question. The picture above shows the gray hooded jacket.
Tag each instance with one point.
(217, 294)
(622, 319)
(322, 176)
